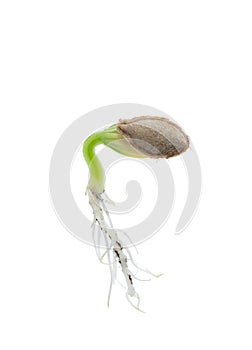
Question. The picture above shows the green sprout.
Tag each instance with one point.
(140, 137)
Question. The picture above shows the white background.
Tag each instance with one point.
(61, 59)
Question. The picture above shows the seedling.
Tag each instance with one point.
(140, 137)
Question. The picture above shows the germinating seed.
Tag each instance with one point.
(140, 137)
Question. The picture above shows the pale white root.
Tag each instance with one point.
(115, 249)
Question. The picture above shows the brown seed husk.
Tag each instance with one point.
(155, 137)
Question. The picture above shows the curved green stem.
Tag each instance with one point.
(97, 175)
(111, 138)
